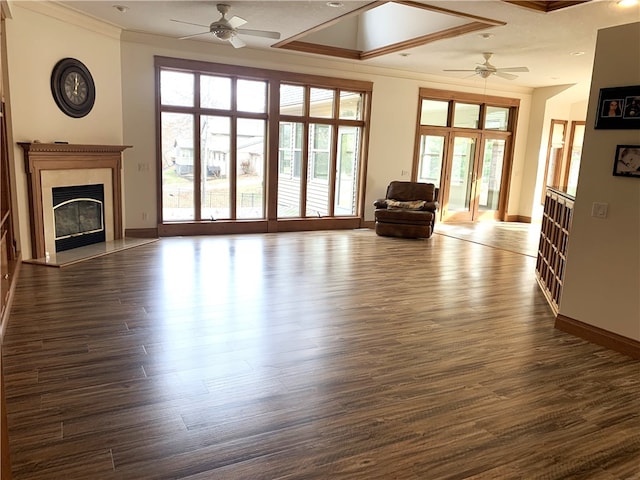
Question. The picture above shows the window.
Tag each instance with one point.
(290, 151)
(351, 106)
(177, 166)
(176, 88)
(292, 100)
(307, 148)
(319, 143)
(466, 115)
(434, 113)
(575, 154)
(289, 169)
(215, 141)
(496, 118)
(431, 158)
(212, 182)
(347, 170)
(215, 92)
(321, 103)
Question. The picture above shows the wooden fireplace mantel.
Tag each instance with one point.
(39, 157)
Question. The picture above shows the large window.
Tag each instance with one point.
(227, 153)
(224, 177)
(319, 155)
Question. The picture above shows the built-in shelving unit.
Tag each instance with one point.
(552, 249)
(9, 254)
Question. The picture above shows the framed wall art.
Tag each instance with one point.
(627, 161)
(619, 108)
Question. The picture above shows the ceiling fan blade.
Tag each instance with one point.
(506, 76)
(259, 33)
(513, 69)
(194, 35)
(189, 23)
(235, 22)
(446, 70)
(236, 42)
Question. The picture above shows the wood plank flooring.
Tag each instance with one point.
(315, 355)
(515, 237)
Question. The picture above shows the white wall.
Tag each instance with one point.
(393, 115)
(536, 149)
(602, 279)
(38, 36)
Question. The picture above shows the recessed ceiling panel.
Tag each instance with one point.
(381, 28)
(343, 34)
(393, 23)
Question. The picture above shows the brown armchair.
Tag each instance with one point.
(408, 210)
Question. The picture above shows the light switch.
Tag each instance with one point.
(599, 210)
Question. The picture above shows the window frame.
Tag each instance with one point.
(272, 117)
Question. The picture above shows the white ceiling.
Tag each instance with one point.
(546, 43)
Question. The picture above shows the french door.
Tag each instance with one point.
(464, 146)
(460, 177)
(469, 170)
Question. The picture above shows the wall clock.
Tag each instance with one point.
(72, 87)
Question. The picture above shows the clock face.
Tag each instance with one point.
(72, 87)
(75, 88)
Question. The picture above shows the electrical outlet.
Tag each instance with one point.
(145, 215)
(405, 173)
(599, 210)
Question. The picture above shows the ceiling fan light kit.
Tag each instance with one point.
(221, 32)
(486, 69)
(227, 29)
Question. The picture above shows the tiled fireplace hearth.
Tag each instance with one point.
(73, 171)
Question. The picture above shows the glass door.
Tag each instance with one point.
(490, 179)
(472, 186)
(459, 196)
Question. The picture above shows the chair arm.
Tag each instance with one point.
(380, 203)
(430, 206)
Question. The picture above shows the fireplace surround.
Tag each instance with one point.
(52, 166)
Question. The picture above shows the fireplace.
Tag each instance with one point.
(78, 214)
(75, 195)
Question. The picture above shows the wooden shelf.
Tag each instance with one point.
(552, 249)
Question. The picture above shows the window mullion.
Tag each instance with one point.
(304, 168)
(197, 167)
(233, 168)
(333, 160)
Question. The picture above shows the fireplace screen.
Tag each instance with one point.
(79, 216)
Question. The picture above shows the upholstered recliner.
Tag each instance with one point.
(408, 210)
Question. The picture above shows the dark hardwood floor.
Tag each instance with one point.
(316, 355)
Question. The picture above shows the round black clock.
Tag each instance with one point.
(72, 87)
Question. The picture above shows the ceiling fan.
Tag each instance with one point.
(485, 70)
(227, 29)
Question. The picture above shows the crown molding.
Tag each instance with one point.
(68, 15)
(5, 9)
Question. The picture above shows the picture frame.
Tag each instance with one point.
(619, 108)
(627, 161)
